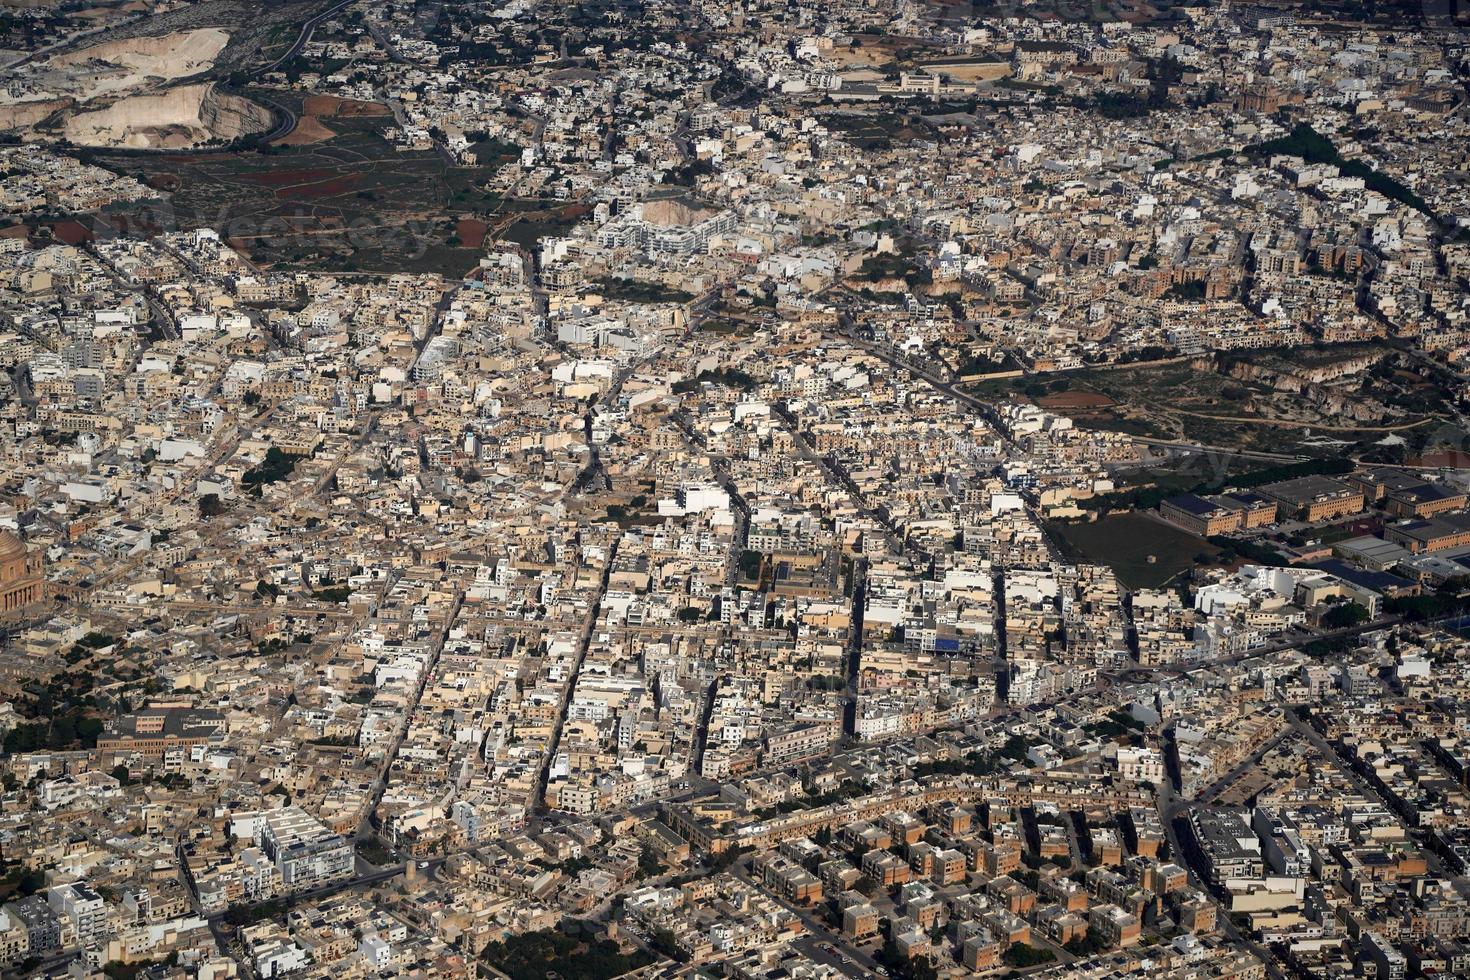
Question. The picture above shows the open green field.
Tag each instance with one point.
(1126, 542)
(349, 203)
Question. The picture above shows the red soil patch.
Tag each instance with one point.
(308, 130)
(327, 106)
(1453, 458)
(285, 178)
(71, 232)
(1075, 399)
(326, 188)
(471, 232)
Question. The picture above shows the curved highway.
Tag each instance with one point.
(305, 35)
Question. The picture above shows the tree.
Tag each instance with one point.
(1344, 615)
(901, 967)
(1023, 956)
(210, 506)
(665, 942)
(648, 863)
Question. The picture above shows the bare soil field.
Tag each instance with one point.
(308, 130)
(329, 107)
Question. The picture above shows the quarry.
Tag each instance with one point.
(177, 118)
(134, 93)
(126, 65)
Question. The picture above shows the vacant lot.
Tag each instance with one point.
(348, 202)
(1144, 552)
(1071, 400)
(1270, 401)
(329, 106)
(878, 130)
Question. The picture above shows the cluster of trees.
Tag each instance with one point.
(65, 731)
(276, 466)
(1117, 723)
(1162, 73)
(535, 955)
(901, 967)
(1305, 142)
(900, 266)
(1344, 615)
(976, 763)
(689, 173)
(1417, 608)
(18, 880)
(730, 87)
(1249, 550)
(64, 713)
(635, 291)
(1189, 291)
(245, 915)
(1144, 498)
(491, 150)
(1022, 956)
(729, 377)
(986, 364)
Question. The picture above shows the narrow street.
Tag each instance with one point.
(589, 626)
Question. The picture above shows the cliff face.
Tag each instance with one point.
(176, 118)
(24, 115)
(1312, 386)
(230, 116)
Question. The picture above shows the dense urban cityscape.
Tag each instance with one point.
(734, 488)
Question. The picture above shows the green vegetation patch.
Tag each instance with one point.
(536, 955)
(274, 468)
(1126, 542)
(1149, 497)
(728, 377)
(635, 291)
(1305, 142)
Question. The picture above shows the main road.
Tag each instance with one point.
(305, 35)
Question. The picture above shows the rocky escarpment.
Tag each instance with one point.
(1313, 385)
(25, 115)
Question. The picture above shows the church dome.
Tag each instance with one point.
(11, 547)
